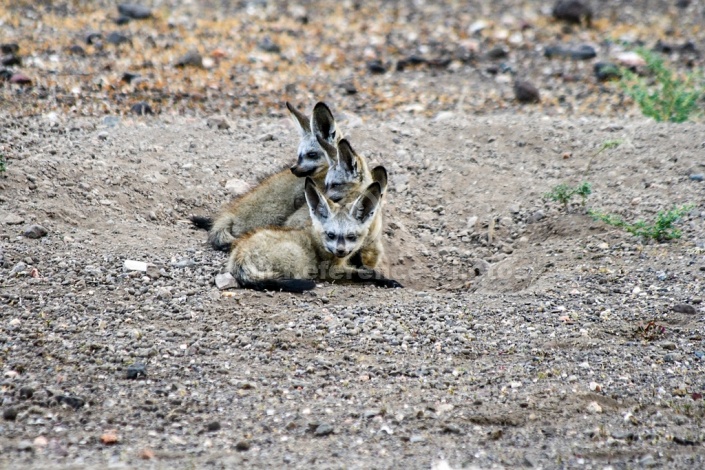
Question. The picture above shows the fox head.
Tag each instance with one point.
(347, 171)
(342, 229)
(311, 158)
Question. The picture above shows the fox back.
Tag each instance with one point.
(280, 195)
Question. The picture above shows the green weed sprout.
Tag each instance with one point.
(670, 98)
(662, 229)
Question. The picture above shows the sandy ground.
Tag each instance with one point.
(515, 343)
(528, 335)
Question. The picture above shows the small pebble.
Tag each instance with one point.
(219, 122)
(117, 38)
(323, 430)
(376, 67)
(526, 92)
(213, 426)
(268, 45)
(594, 407)
(35, 231)
(136, 371)
(9, 414)
(243, 445)
(191, 58)
(572, 11)
(137, 12)
(25, 446)
(685, 308)
(141, 109)
(225, 281)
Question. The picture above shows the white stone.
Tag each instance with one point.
(225, 281)
(132, 265)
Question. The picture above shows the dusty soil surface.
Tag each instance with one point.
(527, 334)
(519, 350)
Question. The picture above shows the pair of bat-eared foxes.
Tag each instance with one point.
(320, 221)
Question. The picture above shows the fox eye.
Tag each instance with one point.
(335, 185)
(332, 135)
(330, 235)
(351, 237)
(313, 155)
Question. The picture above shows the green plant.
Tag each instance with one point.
(670, 98)
(3, 163)
(661, 229)
(564, 193)
(608, 145)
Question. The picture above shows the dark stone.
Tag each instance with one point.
(26, 393)
(663, 47)
(497, 52)
(683, 3)
(376, 67)
(93, 37)
(349, 88)
(582, 52)
(685, 308)
(35, 231)
(137, 12)
(76, 49)
(440, 63)
(5, 75)
(505, 68)
(688, 47)
(129, 76)
(136, 371)
(492, 69)
(572, 11)
(697, 177)
(122, 20)
(415, 60)
(191, 59)
(607, 71)
(74, 402)
(684, 441)
(243, 445)
(11, 60)
(117, 38)
(10, 48)
(9, 414)
(267, 45)
(142, 109)
(213, 426)
(526, 92)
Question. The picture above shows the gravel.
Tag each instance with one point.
(528, 334)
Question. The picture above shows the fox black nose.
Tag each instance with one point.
(340, 252)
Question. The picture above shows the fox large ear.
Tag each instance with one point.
(323, 122)
(330, 150)
(379, 175)
(300, 121)
(317, 204)
(346, 156)
(366, 205)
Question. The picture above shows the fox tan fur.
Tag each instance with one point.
(282, 194)
(291, 259)
(347, 176)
